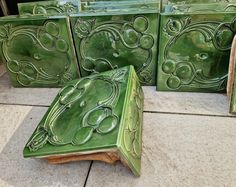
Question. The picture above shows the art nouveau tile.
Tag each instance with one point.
(197, 8)
(112, 40)
(97, 117)
(57, 7)
(194, 51)
(38, 51)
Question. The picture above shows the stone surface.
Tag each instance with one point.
(17, 124)
(185, 103)
(203, 67)
(167, 102)
(179, 150)
(105, 42)
(38, 51)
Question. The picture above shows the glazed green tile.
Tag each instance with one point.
(58, 7)
(99, 113)
(233, 73)
(194, 51)
(198, 1)
(107, 6)
(210, 7)
(107, 41)
(38, 51)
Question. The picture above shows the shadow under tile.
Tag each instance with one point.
(17, 171)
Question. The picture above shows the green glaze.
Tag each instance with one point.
(38, 51)
(98, 113)
(109, 41)
(57, 7)
(194, 51)
(198, 1)
(210, 7)
(119, 6)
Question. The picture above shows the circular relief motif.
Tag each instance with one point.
(23, 79)
(83, 135)
(52, 28)
(29, 70)
(130, 36)
(39, 10)
(88, 65)
(146, 42)
(107, 124)
(173, 82)
(184, 72)
(96, 116)
(140, 24)
(169, 66)
(47, 40)
(173, 27)
(14, 66)
(61, 45)
(101, 65)
(223, 37)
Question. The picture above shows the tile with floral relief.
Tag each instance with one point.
(98, 117)
(58, 7)
(38, 51)
(107, 41)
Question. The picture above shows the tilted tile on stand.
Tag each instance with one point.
(49, 7)
(93, 118)
(194, 51)
(231, 86)
(38, 51)
(111, 40)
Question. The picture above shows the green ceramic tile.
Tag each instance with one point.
(211, 7)
(194, 51)
(232, 79)
(38, 51)
(57, 7)
(107, 41)
(107, 6)
(198, 1)
(99, 113)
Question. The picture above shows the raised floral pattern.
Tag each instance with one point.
(132, 133)
(119, 41)
(96, 118)
(26, 67)
(184, 72)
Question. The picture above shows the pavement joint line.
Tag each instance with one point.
(145, 111)
(190, 114)
(90, 166)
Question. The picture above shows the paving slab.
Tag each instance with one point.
(25, 96)
(186, 102)
(164, 102)
(178, 150)
(17, 125)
